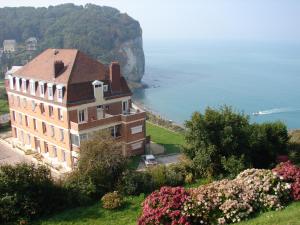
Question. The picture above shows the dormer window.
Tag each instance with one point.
(50, 91)
(17, 83)
(24, 86)
(60, 93)
(11, 82)
(98, 89)
(42, 89)
(32, 87)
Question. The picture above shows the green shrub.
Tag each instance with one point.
(158, 175)
(135, 183)
(112, 200)
(28, 191)
(233, 165)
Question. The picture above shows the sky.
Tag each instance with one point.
(203, 19)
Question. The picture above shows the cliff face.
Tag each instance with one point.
(130, 54)
(102, 32)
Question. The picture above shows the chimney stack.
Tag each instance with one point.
(58, 67)
(115, 76)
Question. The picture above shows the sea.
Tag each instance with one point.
(258, 78)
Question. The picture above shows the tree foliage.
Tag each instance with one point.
(100, 165)
(224, 141)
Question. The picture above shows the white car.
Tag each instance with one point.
(149, 160)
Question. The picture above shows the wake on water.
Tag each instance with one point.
(275, 111)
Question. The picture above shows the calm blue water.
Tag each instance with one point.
(250, 76)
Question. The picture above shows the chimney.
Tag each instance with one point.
(115, 76)
(58, 67)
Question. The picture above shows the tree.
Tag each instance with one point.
(221, 139)
(100, 165)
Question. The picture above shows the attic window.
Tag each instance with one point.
(32, 87)
(24, 88)
(60, 93)
(50, 91)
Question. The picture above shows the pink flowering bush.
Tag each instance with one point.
(165, 207)
(220, 202)
(230, 201)
(291, 174)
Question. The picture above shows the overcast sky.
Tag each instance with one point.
(203, 19)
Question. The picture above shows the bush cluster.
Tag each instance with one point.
(291, 174)
(135, 183)
(28, 191)
(165, 207)
(224, 142)
(221, 202)
(112, 200)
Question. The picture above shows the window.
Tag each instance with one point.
(26, 121)
(82, 116)
(20, 118)
(59, 93)
(51, 111)
(125, 106)
(42, 89)
(54, 152)
(83, 137)
(44, 127)
(75, 139)
(32, 87)
(24, 102)
(33, 105)
(61, 134)
(115, 131)
(105, 88)
(50, 91)
(63, 154)
(34, 124)
(52, 131)
(137, 129)
(28, 139)
(46, 147)
(11, 82)
(14, 115)
(42, 108)
(17, 83)
(60, 114)
(24, 88)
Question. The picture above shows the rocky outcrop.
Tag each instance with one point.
(130, 54)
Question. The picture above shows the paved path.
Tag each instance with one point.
(10, 156)
(163, 159)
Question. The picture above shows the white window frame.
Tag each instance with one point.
(50, 91)
(60, 93)
(32, 87)
(126, 102)
(11, 82)
(84, 115)
(24, 86)
(60, 114)
(52, 131)
(137, 129)
(42, 89)
(17, 83)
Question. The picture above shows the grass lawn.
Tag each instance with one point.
(96, 215)
(288, 216)
(169, 139)
(128, 215)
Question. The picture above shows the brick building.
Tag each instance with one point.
(62, 96)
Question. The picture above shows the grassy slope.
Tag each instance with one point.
(288, 216)
(169, 139)
(96, 215)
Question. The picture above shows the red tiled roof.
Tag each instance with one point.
(78, 67)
